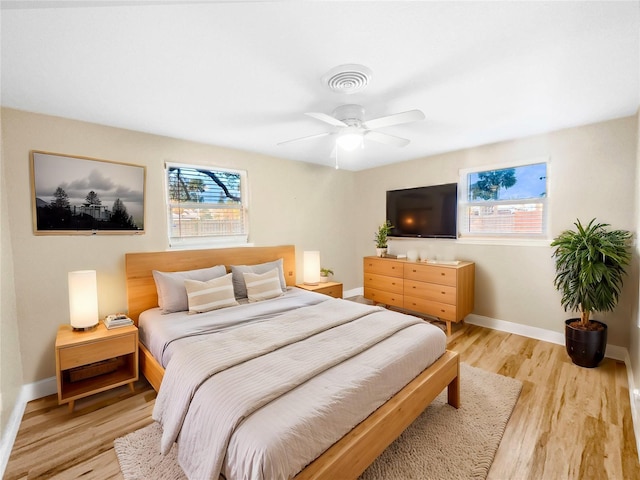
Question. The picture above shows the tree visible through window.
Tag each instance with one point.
(507, 202)
(206, 204)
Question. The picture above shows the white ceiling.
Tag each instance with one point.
(241, 74)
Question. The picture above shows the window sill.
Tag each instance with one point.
(517, 242)
(196, 243)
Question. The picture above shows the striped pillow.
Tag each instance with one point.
(262, 286)
(210, 295)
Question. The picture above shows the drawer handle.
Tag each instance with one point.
(414, 271)
(443, 293)
(442, 273)
(442, 310)
(413, 287)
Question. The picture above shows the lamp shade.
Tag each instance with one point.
(311, 267)
(83, 299)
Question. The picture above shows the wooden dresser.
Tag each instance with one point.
(438, 290)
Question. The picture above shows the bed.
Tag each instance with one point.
(351, 453)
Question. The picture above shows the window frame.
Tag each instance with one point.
(207, 241)
(464, 235)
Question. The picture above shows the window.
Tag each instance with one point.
(206, 205)
(504, 202)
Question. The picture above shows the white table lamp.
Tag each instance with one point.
(83, 299)
(311, 267)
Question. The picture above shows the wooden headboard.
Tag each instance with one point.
(141, 288)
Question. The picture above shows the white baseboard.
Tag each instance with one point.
(31, 391)
(11, 431)
(353, 293)
(613, 351)
(634, 401)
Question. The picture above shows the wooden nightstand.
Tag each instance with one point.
(94, 361)
(333, 289)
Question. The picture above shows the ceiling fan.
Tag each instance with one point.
(352, 128)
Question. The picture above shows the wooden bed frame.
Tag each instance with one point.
(352, 454)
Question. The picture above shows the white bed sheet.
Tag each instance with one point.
(277, 441)
(281, 438)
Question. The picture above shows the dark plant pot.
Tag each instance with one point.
(585, 347)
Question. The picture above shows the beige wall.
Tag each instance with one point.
(591, 174)
(290, 203)
(634, 330)
(11, 371)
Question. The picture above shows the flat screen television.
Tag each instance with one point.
(424, 212)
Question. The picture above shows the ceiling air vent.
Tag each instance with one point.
(349, 78)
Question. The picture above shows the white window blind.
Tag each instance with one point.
(206, 205)
(506, 202)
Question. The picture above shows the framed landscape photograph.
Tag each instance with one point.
(83, 196)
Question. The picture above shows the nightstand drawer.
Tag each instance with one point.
(332, 290)
(83, 354)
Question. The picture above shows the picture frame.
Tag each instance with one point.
(76, 195)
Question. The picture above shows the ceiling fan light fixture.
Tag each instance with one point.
(350, 139)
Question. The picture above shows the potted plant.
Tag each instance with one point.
(381, 238)
(590, 265)
(324, 274)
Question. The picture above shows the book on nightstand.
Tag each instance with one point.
(117, 320)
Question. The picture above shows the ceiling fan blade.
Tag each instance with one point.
(323, 117)
(308, 137)
(386, 138)
(395, 119)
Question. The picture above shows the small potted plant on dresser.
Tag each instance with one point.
(324, 274)
(590, 265)
(381, 238)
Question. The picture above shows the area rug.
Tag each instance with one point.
(442, 443)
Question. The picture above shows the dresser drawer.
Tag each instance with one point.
(83, 354)
(380, 282)
(431, 274)
(386, 298)
(383, 267)
(430, 291)
(443, 311)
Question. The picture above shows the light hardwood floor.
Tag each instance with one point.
(569, 423)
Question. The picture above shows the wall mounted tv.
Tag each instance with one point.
(424, 212)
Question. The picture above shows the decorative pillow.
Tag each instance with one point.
(263, 286)
(238, 278)
(210, 295)
(172, 295)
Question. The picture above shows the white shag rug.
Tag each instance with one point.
(442, 443)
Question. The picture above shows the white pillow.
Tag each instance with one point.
(210, 295)
(172, 295)
(263, 286)
(238, 271)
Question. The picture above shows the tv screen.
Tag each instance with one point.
(424, 212)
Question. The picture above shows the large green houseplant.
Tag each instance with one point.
(590, 265)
